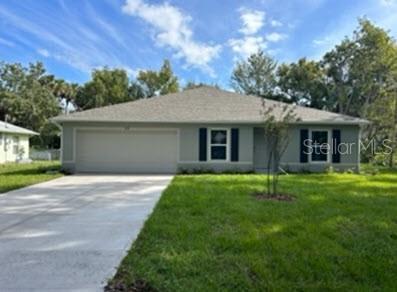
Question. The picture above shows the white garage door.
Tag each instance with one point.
(133, 151)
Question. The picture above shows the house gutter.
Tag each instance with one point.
(325, 122)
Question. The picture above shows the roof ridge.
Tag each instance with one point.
(203, 103)
(138, 100)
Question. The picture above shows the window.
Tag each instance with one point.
(218, 144)
(15, 149)
(320, 146)
(6, 141)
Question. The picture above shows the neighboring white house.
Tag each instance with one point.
(14, 142)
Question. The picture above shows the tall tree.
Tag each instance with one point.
(337, 66)
(362, 75)
(375, 65)
(106, 87)
(360, 69)
(26, 97)
(304, 83)
(65, 92)
(135, 90)
(255, 76)
(158, 82)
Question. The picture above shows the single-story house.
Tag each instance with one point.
(200, 129)
(14, 142)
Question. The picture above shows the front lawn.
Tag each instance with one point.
(208, 233)
(15, 176)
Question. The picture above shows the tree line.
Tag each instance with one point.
(29, 96)
(357, 77)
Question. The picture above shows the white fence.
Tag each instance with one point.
(51, 154)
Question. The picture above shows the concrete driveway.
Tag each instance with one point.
(71, 233)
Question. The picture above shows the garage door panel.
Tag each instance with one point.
(100, 146)
(150, 151)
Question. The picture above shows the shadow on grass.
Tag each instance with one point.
(31, 171)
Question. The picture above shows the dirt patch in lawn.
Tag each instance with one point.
(137, 286)
(276, 197)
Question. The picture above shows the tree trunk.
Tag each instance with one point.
(66, 106)
(348, 104)
(274, 174)
(275, 177)
(269, 162)
(276, 161)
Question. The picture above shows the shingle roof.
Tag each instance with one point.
(10, 128)
(199, 105)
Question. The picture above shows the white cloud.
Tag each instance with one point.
(251, 41)
(72, 42)
(387, 2)
(248, 45)
(43, 52)
(6, 42)
(107, 27)
(276, 23)
(275, 37)
(253, 21)
(33, 28)
(173, 30)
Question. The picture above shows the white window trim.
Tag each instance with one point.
(227, 145)
(329, 141)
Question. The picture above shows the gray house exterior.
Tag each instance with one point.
(199, 130)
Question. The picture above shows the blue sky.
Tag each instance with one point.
(202, 38)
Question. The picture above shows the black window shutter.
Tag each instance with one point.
(335, 144)
(203, 144)
(234, 145)
(304, 150)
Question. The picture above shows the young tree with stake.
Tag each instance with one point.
(277, 119)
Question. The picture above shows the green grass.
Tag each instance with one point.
(208, 233)
(15, 176)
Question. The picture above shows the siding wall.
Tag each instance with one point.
(7, 153)
(250, 157)
(291, 158)
(188, 145)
